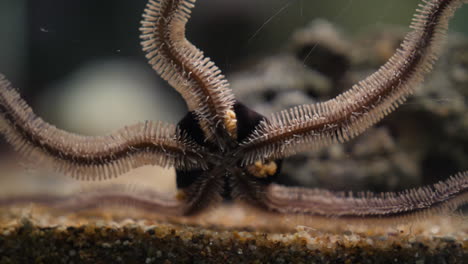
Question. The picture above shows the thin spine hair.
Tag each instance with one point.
(92, 157)
(183, 66)
(418, 203)
(344, 117)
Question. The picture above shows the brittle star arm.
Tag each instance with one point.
(194, 76)
(417, 203)
(93, 157)
(444, 196)
(350, 113)
(104, 196)
(203, 193)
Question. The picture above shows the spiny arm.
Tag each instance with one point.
(414, 203)
(203, 193)
(88, 157)
(104, 196)
(193, 75)
(350, 113)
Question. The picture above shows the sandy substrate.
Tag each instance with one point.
(231, 234)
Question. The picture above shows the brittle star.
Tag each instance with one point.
(223, 150)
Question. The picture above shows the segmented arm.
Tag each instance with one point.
(111, 195)
(350, 113)
(92, 157)
(194, 76)
(443, 196)
(203, 193)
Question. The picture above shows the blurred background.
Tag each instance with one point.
(79, 49)
(80, 65)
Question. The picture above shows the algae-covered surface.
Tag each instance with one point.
(230, 234)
